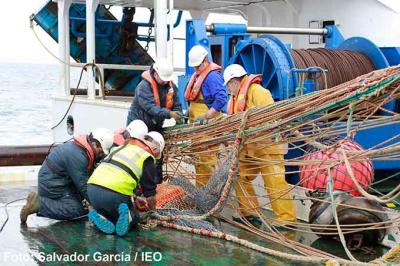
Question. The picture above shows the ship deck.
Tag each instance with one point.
(26, 245)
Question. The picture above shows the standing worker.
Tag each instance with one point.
(63, 176)
(246, 92)
(112, 184)
(156, 99)
(207, 97)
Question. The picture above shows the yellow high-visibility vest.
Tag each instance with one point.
(122, 171)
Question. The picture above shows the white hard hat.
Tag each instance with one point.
(156, 143)
(137, 129)
(164, 69)
(197, 55)
(233, 71)
(105, 137)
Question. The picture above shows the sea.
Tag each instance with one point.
(25, 102)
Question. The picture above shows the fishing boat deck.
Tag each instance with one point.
(26, 245)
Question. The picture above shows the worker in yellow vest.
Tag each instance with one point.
(246, 92)
(206, 96)
(111, 186)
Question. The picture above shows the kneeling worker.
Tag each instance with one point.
(63, 176)
(246, 92)
(136, 129)
(112, 184)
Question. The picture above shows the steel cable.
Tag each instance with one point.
(342, 65)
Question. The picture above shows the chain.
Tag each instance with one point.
(150, 29)
(148, 39)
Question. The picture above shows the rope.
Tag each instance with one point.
(253, 246)
(7, 215)
(335, 216)
(393, 255)
(94, 66)
(32, 27)
(225, 191)
(363, 192)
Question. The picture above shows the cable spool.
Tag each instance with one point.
(269, 56)
(342, 65)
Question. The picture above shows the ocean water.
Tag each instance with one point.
(25, 102)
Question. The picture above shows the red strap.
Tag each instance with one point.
(243, 90)
(170, 95)
(81, 141)
(195, 82)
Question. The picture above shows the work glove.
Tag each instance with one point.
(175, 115)
(201, 120)
(141, 204)
(180, 121)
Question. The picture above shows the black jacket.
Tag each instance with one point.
(143, 106)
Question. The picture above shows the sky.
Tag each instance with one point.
(18, 43)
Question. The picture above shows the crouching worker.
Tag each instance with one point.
(136, 129)
(112, 184)
(62, 179)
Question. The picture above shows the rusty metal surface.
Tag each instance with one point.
(107, 93)
(23, 155)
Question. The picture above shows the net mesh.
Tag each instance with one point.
(181, 197)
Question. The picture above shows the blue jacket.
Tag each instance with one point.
(213, 90)
(68, 174)
(143, 106)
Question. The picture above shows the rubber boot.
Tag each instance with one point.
(124, 220)
(31, 206)
(102, 223)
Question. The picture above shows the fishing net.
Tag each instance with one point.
(313, 127)
(181, 197)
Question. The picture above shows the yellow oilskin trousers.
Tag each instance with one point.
(206, 164)
(273, 174)
(258, 158)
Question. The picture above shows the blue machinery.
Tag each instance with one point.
(227, 43)
(108, 36)
(269, 56)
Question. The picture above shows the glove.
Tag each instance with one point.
(175, 115)
(180, 121)
(141, 204)
(202, 120)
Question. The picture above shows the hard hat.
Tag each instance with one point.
(197, 55)
(233, 71)
(155, 141)
(137, 129)
(105, 137)
(164, 69)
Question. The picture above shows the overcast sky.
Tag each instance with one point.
(17, 41)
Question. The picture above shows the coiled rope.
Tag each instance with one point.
(342, 65)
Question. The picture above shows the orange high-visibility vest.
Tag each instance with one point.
(169, 102)
(81, 141)
(195, 82)
(242, 95)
